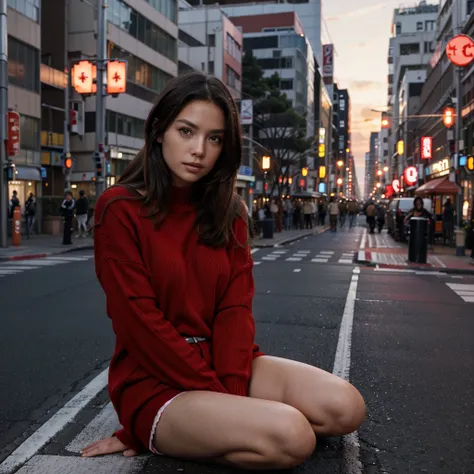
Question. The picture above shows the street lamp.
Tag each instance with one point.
(265, 162)
(340, 163)
(339, 181)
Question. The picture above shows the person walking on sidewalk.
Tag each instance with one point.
(30, 213)
(67, 212)
(352, 209)
(448, 222)
(82, 208)
(342, 213)
(308, 214)
(333, 210)
(173, 256)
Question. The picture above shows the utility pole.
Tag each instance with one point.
(457, 148)
(100, 95)
(3, 123)
(67, 111)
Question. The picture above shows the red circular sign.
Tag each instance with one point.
(410, 175)
(460, 50)
(396, 185)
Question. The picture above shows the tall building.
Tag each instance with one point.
(145, 35)
(372, 163)
(210, 42)
(24, 86)
(309, 11)
(410, 49)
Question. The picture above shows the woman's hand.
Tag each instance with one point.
(107, 446)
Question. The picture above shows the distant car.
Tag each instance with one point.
(398, 210)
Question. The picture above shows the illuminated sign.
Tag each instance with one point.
(460, 50)
(396, 185)
(322, 135)
(440, 168)
(410, 175)
(321, 150)
(426, 148)
(116, 77)
(322, 172)
(82, 77)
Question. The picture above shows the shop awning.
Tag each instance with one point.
(438, 186)
(27, 173)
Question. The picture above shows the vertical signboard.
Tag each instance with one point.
(426, 148)
(246, 112)
(328, 63)
(13, 126)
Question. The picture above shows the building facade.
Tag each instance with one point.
(24, 88)
(145, 34)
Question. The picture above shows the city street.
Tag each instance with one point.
(411, 357)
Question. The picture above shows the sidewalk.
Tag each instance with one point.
(40, 246)
(440, 258)
(287, 236)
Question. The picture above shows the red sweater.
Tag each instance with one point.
(161, 285)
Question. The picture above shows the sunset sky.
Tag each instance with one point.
(360, 31)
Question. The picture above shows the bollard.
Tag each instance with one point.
(418, 243)
(267, 228)
(460, 241)
(16, 223)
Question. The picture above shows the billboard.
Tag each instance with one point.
(246, 112)
(328, 60)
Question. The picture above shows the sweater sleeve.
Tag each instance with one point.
(137, 320)
(234, 325)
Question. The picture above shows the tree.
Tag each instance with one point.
(277, 125)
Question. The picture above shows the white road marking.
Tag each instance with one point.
(320, 260)
(438, 261)
(18, 269)
(466, 292)
(395, 270)
(300, 255)
(345, 260)
(280, 252)
(293, 259)
(54, 425)
(269, 258)
(363, 240)
(297, 270)
(304, 251)
(254, 251)
(37, 263)
(341, 368)
(7, 271)
(257, 263)
(102, 426)
(116, 463)
(327, 252)
(71, 259)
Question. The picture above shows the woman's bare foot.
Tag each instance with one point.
(107, 446)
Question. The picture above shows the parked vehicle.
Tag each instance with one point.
(398, 210)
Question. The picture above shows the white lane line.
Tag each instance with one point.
(269, 258)
(320, 260)
(468, 299)
(394, 270)
(257, 263)
(37, 263)
(342, 367)
(7, 271)
(254, 251)
(363, 240)
(345, 260)
(304, 251)
(300, 255)
(280, 252)
(293, 259)
(460, 286)
(55, 424)
(105, 423)
(438, 261)
(326, 252)
(297, 270)
(71, 259)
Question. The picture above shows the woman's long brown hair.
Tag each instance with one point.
(216, 203)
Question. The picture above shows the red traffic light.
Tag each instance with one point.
(448, 117)
(68, 163)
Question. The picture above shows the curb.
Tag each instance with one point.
(363, 259)
(46, 254)
(290, 239)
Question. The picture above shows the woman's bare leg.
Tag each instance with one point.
(245, 432)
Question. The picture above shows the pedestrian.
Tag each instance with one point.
(333, 210)
(352, 209)
(14, 202)
(172, 254)
(371, 212)
(342, 213)
(67, 212)
(307, 211)
(30, 213)
(448, 222)
(82, 209)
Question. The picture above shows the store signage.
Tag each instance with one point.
(410, 175)
(13, 133)
(440, 168)
(246, 112)
(460, 50)
(426, 148)
(396, 185)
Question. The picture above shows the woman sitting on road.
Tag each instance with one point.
(173, 257)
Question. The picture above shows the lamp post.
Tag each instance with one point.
(265, 167)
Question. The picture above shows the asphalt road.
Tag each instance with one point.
(412, 356)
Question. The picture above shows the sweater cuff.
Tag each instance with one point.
(128, 440)
(217, 386)
(236, 385)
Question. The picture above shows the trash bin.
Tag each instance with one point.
(267, 228)
(418, 243)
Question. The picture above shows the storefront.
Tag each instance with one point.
(27, 180)
(245, 185)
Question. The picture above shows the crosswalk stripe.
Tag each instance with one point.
(319, 260)
(293, 259)
(43, 263)
(70, 259)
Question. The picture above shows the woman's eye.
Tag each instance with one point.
(216, 139)
(185, 131)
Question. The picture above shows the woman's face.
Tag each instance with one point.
(193, 142)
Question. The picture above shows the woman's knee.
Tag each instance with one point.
(347, 410)
(290, 438)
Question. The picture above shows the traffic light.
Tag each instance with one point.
(68, 162)
(304, 171)
(265, 162)
(400, 147)
(448, 117)
(470, 163)
(385, 122)
(97, 158)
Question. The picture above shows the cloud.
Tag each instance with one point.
(359, 12)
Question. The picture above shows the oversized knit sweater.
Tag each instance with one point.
(163, 285)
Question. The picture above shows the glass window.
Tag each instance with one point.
(29, 133)
(166, 7)
(124, 124)
(23, 65)
(29, 8)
